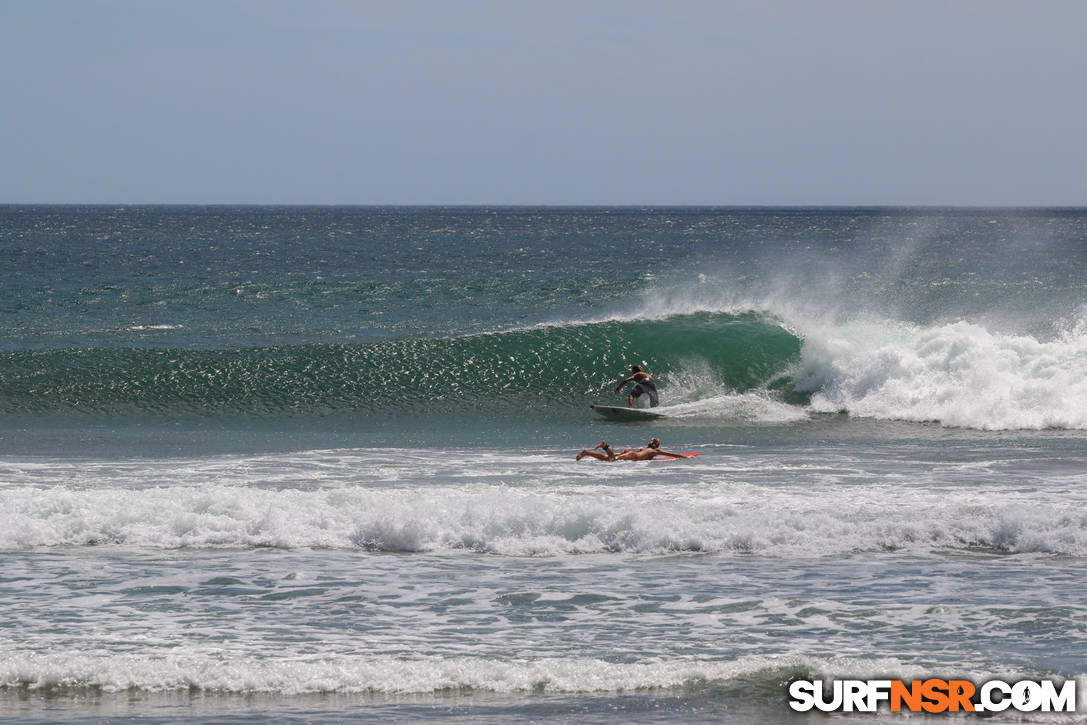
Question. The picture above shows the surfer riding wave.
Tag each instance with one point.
(644, 384)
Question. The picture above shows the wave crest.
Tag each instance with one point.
(959, 374)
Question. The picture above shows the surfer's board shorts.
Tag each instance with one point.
(641, 389)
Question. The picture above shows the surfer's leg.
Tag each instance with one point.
(607, 455)
(594, 454)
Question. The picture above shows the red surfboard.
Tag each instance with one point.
(672, 458)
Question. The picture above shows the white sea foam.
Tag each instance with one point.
(223, 671)
(960, 374)
(695, 391)
(736, 505)
(755, 406)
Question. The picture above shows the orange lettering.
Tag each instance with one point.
(935, 691)
(910, 695)
(959, 694)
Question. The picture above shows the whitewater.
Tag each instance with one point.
(292, 464)
(541, 504)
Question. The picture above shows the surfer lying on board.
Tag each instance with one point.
(644, 384)
(647, 453)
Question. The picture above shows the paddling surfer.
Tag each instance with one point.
(646, 453)
(644, 384)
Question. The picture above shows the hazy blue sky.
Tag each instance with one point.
(550, 102)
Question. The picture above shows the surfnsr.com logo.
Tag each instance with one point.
(933, 696)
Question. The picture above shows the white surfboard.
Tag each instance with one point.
(615, 412)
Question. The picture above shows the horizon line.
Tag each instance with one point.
(475, 205)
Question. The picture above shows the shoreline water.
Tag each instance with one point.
(298, 464)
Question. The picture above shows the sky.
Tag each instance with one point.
(555, 102)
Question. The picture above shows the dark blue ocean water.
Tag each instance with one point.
(309, 464)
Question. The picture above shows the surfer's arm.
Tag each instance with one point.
(631, 378)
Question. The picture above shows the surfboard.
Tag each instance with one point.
(615, 412)
(692, 454)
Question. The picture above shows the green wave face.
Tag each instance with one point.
(553, 367)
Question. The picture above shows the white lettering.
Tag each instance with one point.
(835, 701)
(878, 690)
(802, 693)
(1026, 696)
(1062, 701)
(988, 704)
(992, 696)
(853, 695)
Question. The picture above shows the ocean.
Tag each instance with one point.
(317, 464)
